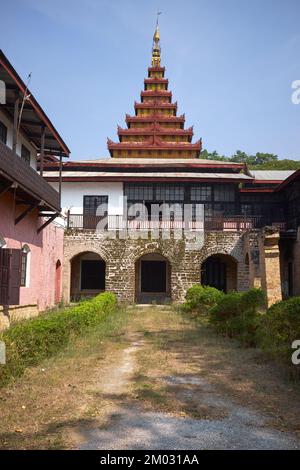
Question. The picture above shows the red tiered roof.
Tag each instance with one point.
(156, 125)
(154, 129)
(157, 117)
(156, 94)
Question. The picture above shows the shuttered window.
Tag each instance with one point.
(10, 264)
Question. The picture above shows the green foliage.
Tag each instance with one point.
(279, 328)
(29, 342)
(259, 161)
(237, 314)
(199, 299)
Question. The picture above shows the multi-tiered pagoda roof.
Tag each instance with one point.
(155, 131)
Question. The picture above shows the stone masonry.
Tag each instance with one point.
(121, 255)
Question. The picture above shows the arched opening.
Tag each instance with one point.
(152, 279)
(220, 271)
(87, 275)
(57, 295)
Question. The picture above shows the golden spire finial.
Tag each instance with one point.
(156, 46)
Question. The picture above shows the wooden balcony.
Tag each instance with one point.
(238, 223)
(15, 170)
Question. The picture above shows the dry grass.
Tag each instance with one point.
(80, 388)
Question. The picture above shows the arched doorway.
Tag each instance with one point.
(152, 279)
(57, 295)
(87, 275)
(220, 271)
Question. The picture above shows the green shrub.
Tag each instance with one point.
(279, 328)
(237, 315)
(200, 299)
(29, 342)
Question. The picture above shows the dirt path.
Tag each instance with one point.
(156, 380)
(175, 401)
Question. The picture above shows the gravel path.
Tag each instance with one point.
(239, 428)
(136, 429)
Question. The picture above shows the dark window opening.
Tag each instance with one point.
(90, 206)
(25, 154)
(3, 133)
(92, 275)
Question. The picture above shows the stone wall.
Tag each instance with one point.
(121, 255)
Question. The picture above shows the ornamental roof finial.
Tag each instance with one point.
(156, 45)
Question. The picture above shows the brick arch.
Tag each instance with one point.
(87, 247)
(222, 251)
(148, 251)
(71, 251)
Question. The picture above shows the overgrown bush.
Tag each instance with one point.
(279, 328)
(237, 314)
(30, 341)
(199, 299)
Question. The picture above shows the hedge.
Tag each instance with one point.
(279, 328)
(30, 341)
(200, 299)
(237, 314)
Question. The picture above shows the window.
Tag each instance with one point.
(25, 154)
(3, 133)
(25, 253)
(139, 193)
(201, 193)
(91, 204)
(170, 193)
(224, 192)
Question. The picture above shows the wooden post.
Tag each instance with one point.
(60, 176)
(15, 129)
(42, 150)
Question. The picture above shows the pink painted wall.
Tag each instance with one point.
(45, 249)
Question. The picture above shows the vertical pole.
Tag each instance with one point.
(68, 219)
(60, 176)
(43, 128)
(15, 129)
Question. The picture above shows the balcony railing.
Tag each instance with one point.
(212, 223)
(13, 168)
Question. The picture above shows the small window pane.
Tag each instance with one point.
(23, 269)
(224, 192)
(170, 193)
(201, 193)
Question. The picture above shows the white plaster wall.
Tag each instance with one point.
(72, 195)
(21, 139)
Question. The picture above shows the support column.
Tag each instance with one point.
(16, 119)
(271, 278)
(42, 154)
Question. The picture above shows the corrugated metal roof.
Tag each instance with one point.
(155, 161)
(87, 174)
(271, 175)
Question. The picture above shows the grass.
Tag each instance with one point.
(53, 403)
(40, 409)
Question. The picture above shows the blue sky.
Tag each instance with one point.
(230, 65)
